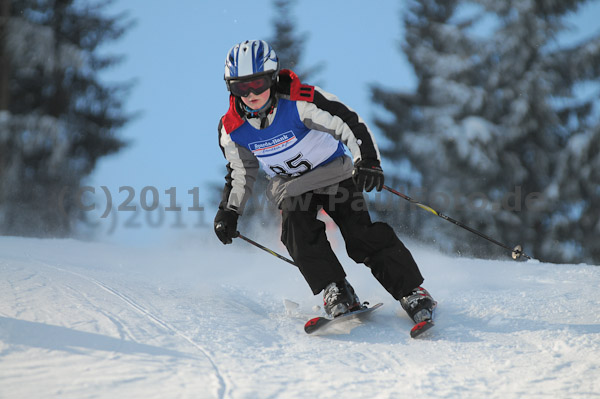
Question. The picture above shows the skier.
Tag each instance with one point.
(297, 133)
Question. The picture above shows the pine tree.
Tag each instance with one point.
(59, 117)
(575, 225)
(289, 46)
(483, 128)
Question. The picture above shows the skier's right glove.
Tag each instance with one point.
(368, 175)
(226, 225)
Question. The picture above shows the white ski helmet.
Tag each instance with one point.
(250, 59)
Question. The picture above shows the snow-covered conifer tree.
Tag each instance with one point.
(492, 120)
(289, 46)
(60, 118)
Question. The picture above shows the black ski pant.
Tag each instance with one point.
(373, 243)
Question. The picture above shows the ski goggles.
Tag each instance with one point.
(242, 88)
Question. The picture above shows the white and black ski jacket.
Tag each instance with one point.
(299, 145)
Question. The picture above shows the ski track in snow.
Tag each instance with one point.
(84, 320)
(157, 320)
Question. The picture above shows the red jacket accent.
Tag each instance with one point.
(232, 120)
(298, 91)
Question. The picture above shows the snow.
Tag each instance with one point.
(193, 319)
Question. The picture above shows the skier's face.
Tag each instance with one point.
(257, 101)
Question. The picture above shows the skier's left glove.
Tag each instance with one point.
(226, 225)
(367, 175)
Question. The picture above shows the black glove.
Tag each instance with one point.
(226, 225)
(367, 175)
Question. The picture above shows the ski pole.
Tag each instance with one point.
(516, 252)
(265, 249)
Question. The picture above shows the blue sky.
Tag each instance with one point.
(176, 54)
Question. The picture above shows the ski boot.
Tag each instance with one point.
(339, 298)
(419, 305)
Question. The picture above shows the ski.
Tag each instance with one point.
(424, 325)
(420, 328)
(342, 324)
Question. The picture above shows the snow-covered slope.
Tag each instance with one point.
(192, 320)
